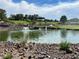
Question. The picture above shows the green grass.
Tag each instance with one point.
(20, 22)
(72, 27)
(30, 22)
(42, 23)
(64, 45)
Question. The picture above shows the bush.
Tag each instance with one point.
(64, 46)
(8, 56)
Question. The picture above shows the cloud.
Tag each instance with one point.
(48, 11)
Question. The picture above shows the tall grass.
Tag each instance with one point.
(64, 45)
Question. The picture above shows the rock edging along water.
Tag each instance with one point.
(37, 51)
(11, 27)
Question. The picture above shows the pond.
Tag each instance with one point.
(40, 36)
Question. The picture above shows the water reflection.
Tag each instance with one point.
(17, 36)
(75, 32)
(34, 35)
(20, 36)
(63, 33)
(3, 35)
(40, 36)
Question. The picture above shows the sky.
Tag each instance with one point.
(52, 9)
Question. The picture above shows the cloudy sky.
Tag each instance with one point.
(52, 9)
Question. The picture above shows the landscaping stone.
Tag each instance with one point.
(38, 51)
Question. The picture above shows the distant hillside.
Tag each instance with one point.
(74, 20)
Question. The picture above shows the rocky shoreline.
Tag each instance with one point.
(10, 28)
(37, 51)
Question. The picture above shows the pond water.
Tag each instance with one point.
(40, 36)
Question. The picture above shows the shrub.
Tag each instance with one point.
(8, 56)
(64, 46)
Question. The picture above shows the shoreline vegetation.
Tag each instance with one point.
(37, 51)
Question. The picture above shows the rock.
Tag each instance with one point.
(21, 54)
(55, 58)
(39, 51)
(26, 48)
(16, 46)
(76, 52)
(1, 58)
(33, 43)
(30, 47)
(21, 57)
(78, 57)
(42, 53)
(73, 57)
(40, 57)
(29, 57)
(21, 50)
(69, 50)
(46, 58)
(77, 49)
(59, 58)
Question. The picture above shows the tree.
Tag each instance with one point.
(12, 17)
(2, 14)
(26, 17)
(19, 17)
(30, 17)
(63, 19)
(33, 17)
(56, 20)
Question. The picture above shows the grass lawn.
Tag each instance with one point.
(73, 27)
(51, 23)
(20, 22)
(56, 24)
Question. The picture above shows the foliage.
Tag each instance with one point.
(25, 17)
(17, 17)
(34, 34)
(17, 35)
(8, 56)
(2, 14)
(63, 19)
(3, 35)
(63, 33)
(64, 46)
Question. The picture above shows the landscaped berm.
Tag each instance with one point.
(11, 50)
